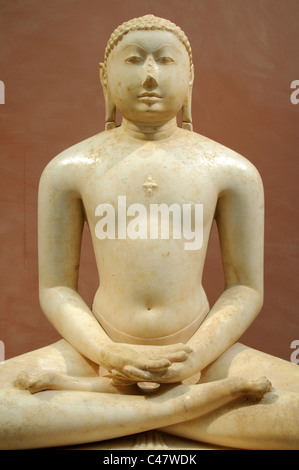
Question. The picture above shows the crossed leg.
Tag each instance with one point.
(222, 409)
(271, 423)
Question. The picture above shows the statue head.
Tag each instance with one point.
(147, 72)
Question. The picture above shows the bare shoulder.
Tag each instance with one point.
(231, 169)
(68, 167)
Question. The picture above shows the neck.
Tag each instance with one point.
(150, 130)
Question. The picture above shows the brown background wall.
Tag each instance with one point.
(246, 56)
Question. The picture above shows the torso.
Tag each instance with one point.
(150, 289)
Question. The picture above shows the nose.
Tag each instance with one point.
(150, 69)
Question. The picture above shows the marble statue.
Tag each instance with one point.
(150, 354)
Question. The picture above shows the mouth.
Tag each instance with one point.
(149, 95)
(149, 98)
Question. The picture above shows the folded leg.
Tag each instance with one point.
(59, 418)
(272, 423)
(59, 357)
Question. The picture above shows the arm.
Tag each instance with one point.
(60, 226)
(240, 221)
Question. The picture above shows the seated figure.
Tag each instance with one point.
(150, 353)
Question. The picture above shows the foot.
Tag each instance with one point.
(256, 387)
(35, 384)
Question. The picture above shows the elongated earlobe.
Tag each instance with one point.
(110, 109)
(187, 118)
(186, 110)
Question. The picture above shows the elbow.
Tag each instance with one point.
(256, 298)
(44, 299)
(252, 296)
(258, 294)
(49, 297)
(259, 299)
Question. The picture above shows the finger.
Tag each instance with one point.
(157, 365)
(120, 379)
(176, 353)
(182, 347)
(138, 374)
(117, 375)
(179, 356)
(122, 383)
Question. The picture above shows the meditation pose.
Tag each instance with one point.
(150, 353)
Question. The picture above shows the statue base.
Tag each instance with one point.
(150, 440)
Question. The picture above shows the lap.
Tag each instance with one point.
(59, 357)
(243, 361)
(239, 360)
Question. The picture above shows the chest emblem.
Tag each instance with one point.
(150, 185)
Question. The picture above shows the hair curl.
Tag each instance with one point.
(147, 23)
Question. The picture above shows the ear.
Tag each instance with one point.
(191, 81)
(109, 105)
(187, 116)
(102, 74)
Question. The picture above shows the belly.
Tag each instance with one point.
(160, 327)
(150, 294)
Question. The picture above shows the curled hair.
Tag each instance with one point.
(147, 23)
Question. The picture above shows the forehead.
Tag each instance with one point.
(151, 41)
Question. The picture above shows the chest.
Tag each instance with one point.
(151, 176)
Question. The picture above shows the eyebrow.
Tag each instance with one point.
(155, 50)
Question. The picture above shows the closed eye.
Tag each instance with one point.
(165, 60)
(134, 59)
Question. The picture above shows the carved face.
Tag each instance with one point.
(148, 75)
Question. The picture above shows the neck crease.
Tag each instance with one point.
(150, 131)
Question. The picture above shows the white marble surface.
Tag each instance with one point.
(150, 320)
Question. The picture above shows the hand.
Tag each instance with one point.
(176, 372)
(129, 364)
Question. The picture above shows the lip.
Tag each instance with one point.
(149, 95)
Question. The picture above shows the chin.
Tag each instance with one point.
(151, 115)
(144, 112)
